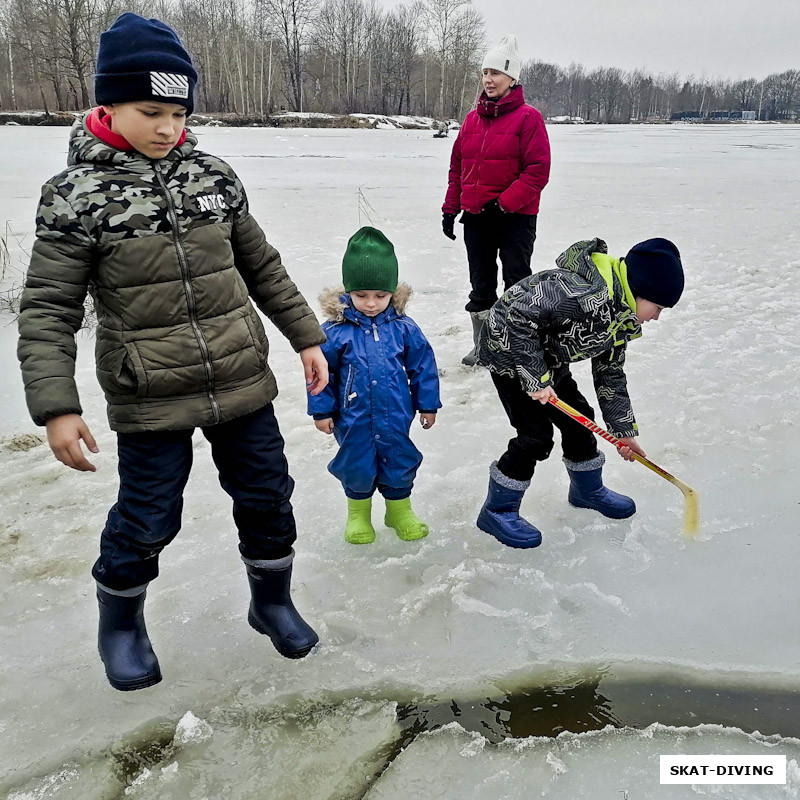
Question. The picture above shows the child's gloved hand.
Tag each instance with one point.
(324, 425)
(427, 420)
(628, 446)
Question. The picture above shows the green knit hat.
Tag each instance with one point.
(369, 262)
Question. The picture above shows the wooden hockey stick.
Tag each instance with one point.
(691, 509)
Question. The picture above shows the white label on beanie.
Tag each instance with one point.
(169, 84)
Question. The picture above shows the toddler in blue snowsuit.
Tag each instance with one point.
(382, 371)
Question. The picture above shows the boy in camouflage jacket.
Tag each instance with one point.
(161, 236)
(591, 306)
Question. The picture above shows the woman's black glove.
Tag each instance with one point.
(448, 220)
(492, 207)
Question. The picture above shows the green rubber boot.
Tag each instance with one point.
(358, 529)
(407, 525)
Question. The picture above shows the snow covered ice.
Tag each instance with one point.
(457, 615)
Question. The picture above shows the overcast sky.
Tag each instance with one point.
(718, 38)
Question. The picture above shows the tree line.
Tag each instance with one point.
(609, 94)
(257, 57)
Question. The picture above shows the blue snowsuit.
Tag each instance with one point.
(382, 370)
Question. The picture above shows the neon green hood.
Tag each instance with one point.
(608, 266)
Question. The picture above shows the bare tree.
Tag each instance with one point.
(5, 41)
(468, 40)
(543, 84)
(292, 20)
(442, 17)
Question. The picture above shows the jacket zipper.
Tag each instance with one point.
(348, 386)
(480, 162)
(375, 332)
(189, 291)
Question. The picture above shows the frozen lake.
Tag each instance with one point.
(681, 646)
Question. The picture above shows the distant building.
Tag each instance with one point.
(686, 115)
(712, 116)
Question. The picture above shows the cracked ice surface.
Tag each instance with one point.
(714, 386)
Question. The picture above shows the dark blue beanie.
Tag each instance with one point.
(143, 59)
(655, 272)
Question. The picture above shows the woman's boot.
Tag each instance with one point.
(478, 318)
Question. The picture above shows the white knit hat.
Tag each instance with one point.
(504, 57)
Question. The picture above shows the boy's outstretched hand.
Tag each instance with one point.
(64, 434)
(544, 395)
(427, 420)
(316, 368)
(324, 425)
(628, 447)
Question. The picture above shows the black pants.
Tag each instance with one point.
(534, 423)
(487, 235)
(153, 470)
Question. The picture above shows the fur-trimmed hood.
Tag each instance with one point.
(333, 308)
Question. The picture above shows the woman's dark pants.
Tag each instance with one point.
(487, 235)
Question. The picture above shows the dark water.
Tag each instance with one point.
(591, 703)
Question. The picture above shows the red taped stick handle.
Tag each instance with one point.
(586, 422)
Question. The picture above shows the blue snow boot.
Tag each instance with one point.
(122, 640)
(272, 611)
(500, 513)
(586, 489)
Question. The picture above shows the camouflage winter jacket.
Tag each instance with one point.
(584, 309)
(170, 254)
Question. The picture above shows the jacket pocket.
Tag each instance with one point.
(116, 372)
(132, 366)
(259, 340)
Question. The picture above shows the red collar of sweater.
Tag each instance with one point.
(495, 108)
(99, 124)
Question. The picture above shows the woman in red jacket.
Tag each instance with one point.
(499, 166)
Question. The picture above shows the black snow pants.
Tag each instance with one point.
(154, 467)
(534, 423)
(491, 233)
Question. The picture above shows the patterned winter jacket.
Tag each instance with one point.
(502, 151)
(170, 254)
(584, 309)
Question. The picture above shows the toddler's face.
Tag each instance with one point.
(371, 302)
(152, 128)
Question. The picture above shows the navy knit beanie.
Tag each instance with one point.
(655, 272)
(143, 59)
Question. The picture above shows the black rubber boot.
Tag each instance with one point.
(123, 643)
(272, 611)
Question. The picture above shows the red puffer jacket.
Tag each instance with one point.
(502, 151)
